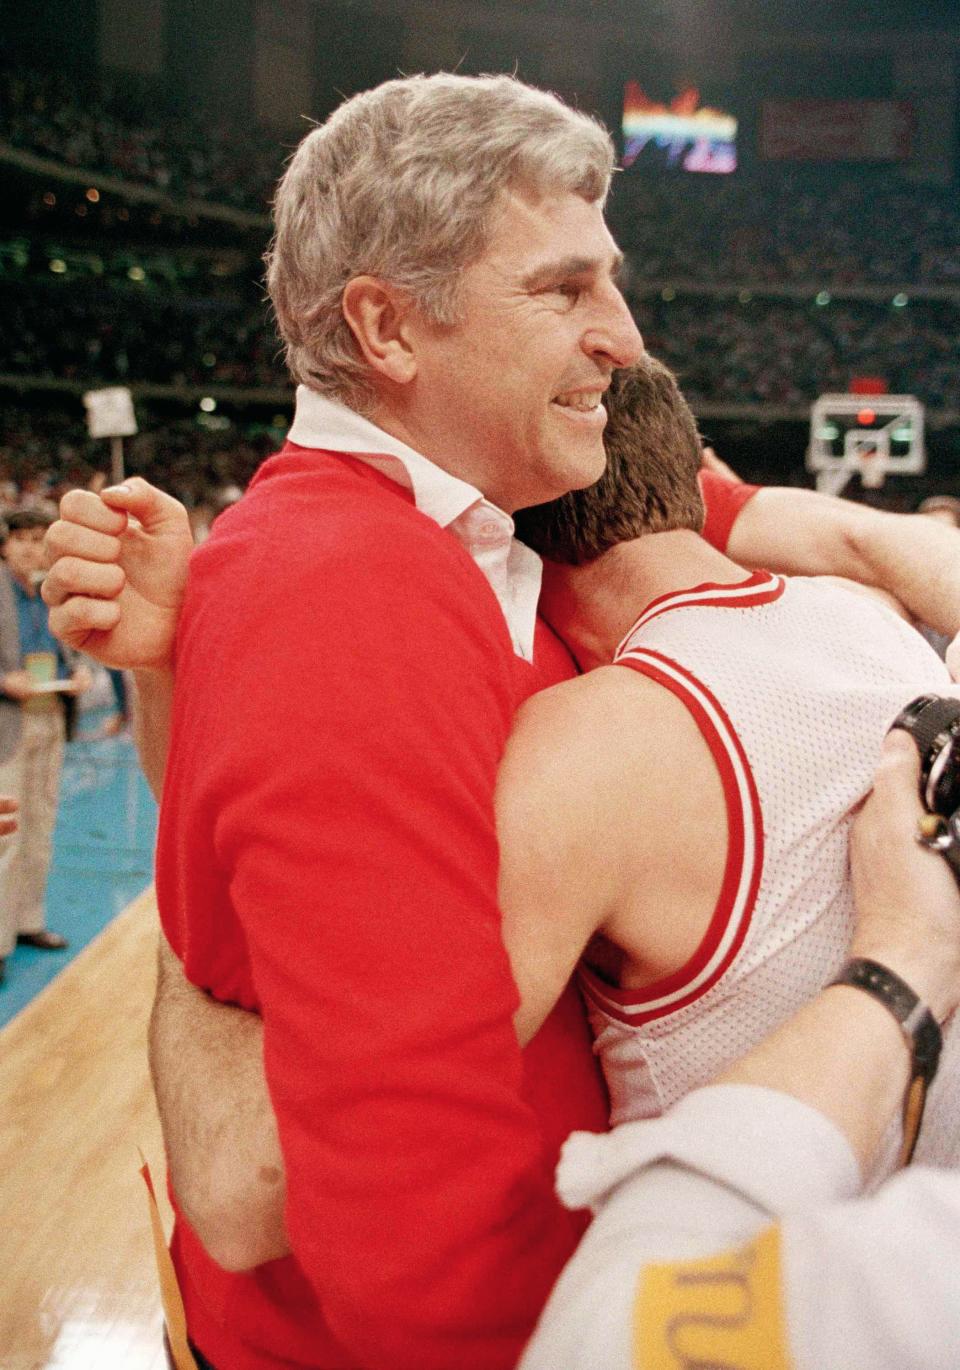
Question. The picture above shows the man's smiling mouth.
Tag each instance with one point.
(584, 401)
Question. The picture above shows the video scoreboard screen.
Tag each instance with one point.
(683, 134)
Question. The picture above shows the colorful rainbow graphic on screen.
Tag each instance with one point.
(692, 136)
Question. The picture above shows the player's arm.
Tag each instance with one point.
(599, 833)
(650, 835)
(223, 1152)
(801, 532)
(222, 1145)
(558, 852)
(117, 574)
(585, 811)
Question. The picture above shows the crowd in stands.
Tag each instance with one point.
(96, 129)
(787, 353)
(787, 231)
(726, 351)
(82, 331)
(162, 308)
(44, 451)
(181, 271)
(711, 229)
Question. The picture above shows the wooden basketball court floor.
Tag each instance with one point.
(78, 1290)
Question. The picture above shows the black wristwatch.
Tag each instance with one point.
(920, 1028)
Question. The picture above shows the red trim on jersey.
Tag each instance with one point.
(760, 587)
(744, 862)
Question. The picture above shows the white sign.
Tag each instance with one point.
(110, 413)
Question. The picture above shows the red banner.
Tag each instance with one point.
(836, 130)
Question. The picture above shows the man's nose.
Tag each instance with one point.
(614, 334)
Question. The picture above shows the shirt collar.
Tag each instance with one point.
(512, 570)
(322, 422)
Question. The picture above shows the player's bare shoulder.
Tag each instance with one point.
(611, 737)
(611, 708)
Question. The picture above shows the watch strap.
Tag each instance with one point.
(918, 1026)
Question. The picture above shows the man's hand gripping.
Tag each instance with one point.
(118, 571)
(907, 899)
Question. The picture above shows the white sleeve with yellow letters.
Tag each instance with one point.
(682, 1267)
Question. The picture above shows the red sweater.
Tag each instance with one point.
(327, 856)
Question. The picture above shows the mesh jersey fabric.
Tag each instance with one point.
(793, 684)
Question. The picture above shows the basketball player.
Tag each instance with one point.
(701, 788)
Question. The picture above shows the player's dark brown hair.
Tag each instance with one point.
(650, 484)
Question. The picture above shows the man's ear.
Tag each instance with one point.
(376, 313)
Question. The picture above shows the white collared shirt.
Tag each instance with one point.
(486, 532)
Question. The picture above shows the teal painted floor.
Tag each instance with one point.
(102, 858)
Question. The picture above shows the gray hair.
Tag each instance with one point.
(403, 183)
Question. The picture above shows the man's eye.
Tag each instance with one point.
(569, 290)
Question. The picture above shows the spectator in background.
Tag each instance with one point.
(120, 718)
(39, 683)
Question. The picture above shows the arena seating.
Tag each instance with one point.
(760, 293)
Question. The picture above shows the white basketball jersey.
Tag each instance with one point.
(793, 684)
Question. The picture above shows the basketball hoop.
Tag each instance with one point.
(873, 438)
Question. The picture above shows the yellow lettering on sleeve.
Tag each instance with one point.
(724, 1312)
